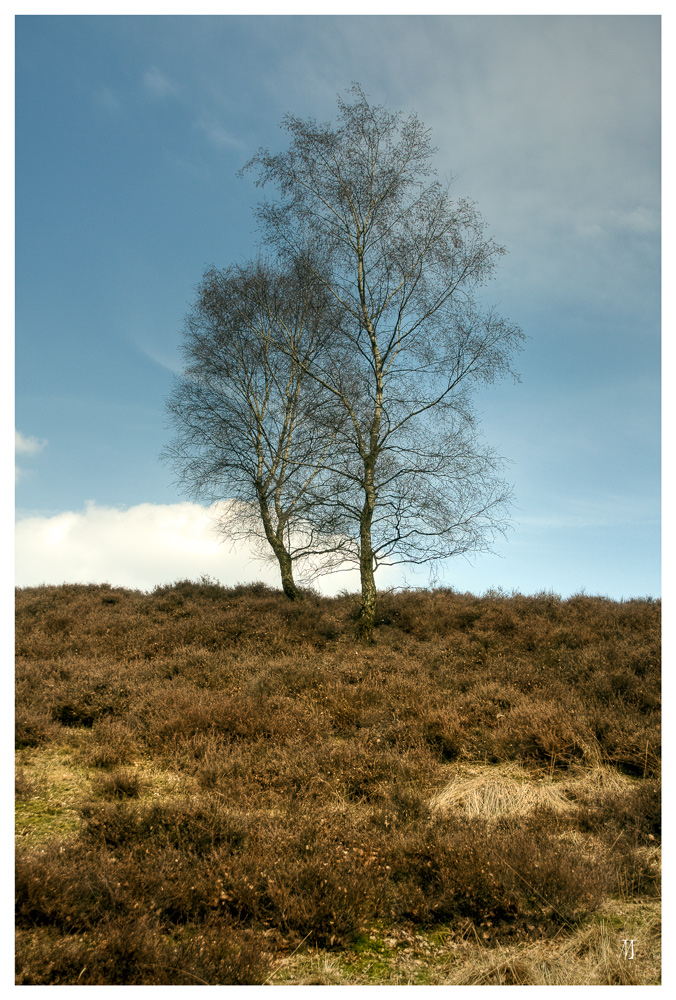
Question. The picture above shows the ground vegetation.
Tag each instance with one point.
(216, 785)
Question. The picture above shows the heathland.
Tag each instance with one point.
(221, 786)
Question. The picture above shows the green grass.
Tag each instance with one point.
(591, 955)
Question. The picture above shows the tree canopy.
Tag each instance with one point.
(249, 418)
(359, 206)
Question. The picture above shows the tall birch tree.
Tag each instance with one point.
(402, 262)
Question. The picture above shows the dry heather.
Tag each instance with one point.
(218, 786)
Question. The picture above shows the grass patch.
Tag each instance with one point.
(52, 785)
(592, 954)
(48, 789)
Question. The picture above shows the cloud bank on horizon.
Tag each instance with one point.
(140, 548)
(149, 544)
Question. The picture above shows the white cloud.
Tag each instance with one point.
(140, 547)
(158, 84)
(24, 445)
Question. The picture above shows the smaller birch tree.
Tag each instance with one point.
(251, 425)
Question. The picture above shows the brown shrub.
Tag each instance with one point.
(33, 728)
(119, 784)
(56, 887)
(194, 826)
(169, 716)
(635, 814)
(545, 733)
(109, 743)
(466, 870)
(137, 953)
(25, 786)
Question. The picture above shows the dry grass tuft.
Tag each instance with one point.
(593, 955)
(490, 792)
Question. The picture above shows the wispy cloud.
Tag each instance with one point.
(25, 445)
(597, 512)
(159, 85)
(154, 83)
(158, 354)
(217, 134)
(108, 100)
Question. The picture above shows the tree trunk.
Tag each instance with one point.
(367, 613)
(286, 567)
(276, 540)
(367, 616)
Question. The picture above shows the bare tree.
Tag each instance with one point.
(402, 262)
(251, 424)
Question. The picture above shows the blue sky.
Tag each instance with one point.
(130, 131)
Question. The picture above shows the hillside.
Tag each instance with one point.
(221, 786)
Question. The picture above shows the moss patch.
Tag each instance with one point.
(590, 954)
(51, 785)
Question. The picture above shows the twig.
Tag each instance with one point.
(288, 957)
(616, 839)
(171, 968)
(479, 942)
